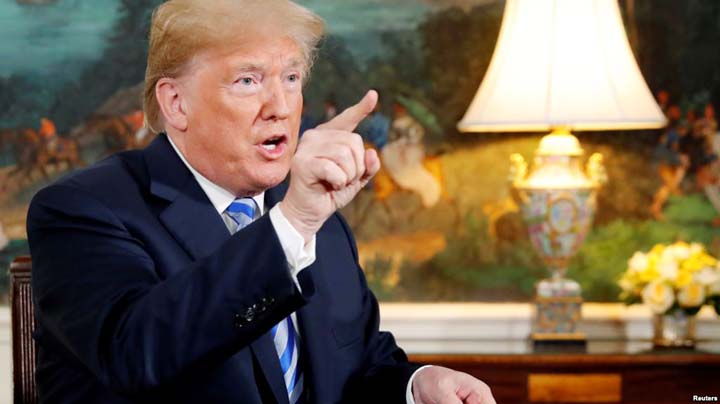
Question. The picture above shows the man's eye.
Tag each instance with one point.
(246, 81)
(294, 77)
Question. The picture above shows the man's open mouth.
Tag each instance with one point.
(273, 142)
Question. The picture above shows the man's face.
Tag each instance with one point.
(243, 110)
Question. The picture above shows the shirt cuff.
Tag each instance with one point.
(299, 255)
(408, 392)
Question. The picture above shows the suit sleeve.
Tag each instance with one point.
(97, 292)
(386, 370)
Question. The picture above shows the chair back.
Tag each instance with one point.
(23, 324)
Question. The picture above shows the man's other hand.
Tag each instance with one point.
(329, 168)
(439, 385)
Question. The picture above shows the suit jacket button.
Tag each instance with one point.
(259, 308)
(249, 314)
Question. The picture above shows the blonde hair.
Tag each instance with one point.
(181, 29)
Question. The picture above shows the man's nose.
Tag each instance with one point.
(275, 104)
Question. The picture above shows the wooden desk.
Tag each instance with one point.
(607, 372)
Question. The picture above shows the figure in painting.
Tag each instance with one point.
(376, 128)
(707, 178)
(671, 163)
(35, 150)
(405, 167)
(708, 128)
(56, 149)
(48, 134)
(116, 132)
(663, 100)
(688, 147)
(403, 158)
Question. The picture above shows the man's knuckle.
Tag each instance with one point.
(357, 140)
(346, 154)
(444, 383)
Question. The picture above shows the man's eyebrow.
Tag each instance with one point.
(249, 67)
(254, 67)
(295, 63)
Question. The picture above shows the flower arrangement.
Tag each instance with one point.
(669, 277)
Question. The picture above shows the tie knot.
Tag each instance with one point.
(242, 212)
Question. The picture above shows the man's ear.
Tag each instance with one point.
(172, 105)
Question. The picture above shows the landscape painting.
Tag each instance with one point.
(439, 222)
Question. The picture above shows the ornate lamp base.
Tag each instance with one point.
(557, 200)
(557, 311)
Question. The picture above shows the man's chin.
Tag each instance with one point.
(271, 180)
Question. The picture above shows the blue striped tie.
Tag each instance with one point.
(242, 212)
(286, 345)
(285, 337)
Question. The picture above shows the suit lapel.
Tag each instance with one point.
(195, 224)
(189, 215)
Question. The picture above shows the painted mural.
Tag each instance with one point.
(438, 223)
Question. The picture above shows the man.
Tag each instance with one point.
(156, 275)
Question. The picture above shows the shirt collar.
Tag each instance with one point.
(220, 197)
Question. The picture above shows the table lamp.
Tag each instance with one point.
(558, 66)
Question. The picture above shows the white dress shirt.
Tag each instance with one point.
(299, 254)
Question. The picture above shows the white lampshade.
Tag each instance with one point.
(562, 63)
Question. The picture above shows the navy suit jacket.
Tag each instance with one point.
(142, 295)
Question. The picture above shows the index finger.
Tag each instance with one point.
(349, 119)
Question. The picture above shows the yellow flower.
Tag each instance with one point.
(708, 260)
(714, 289)
(691, 295)
(638, 262)
(681, 271)
(690, 264)
(696, 248)
(683, 279)
(659, 296)
(668, 269)
(648, 275)
(678, 251)
(626, 284)
(657, 250)
(707, 276)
